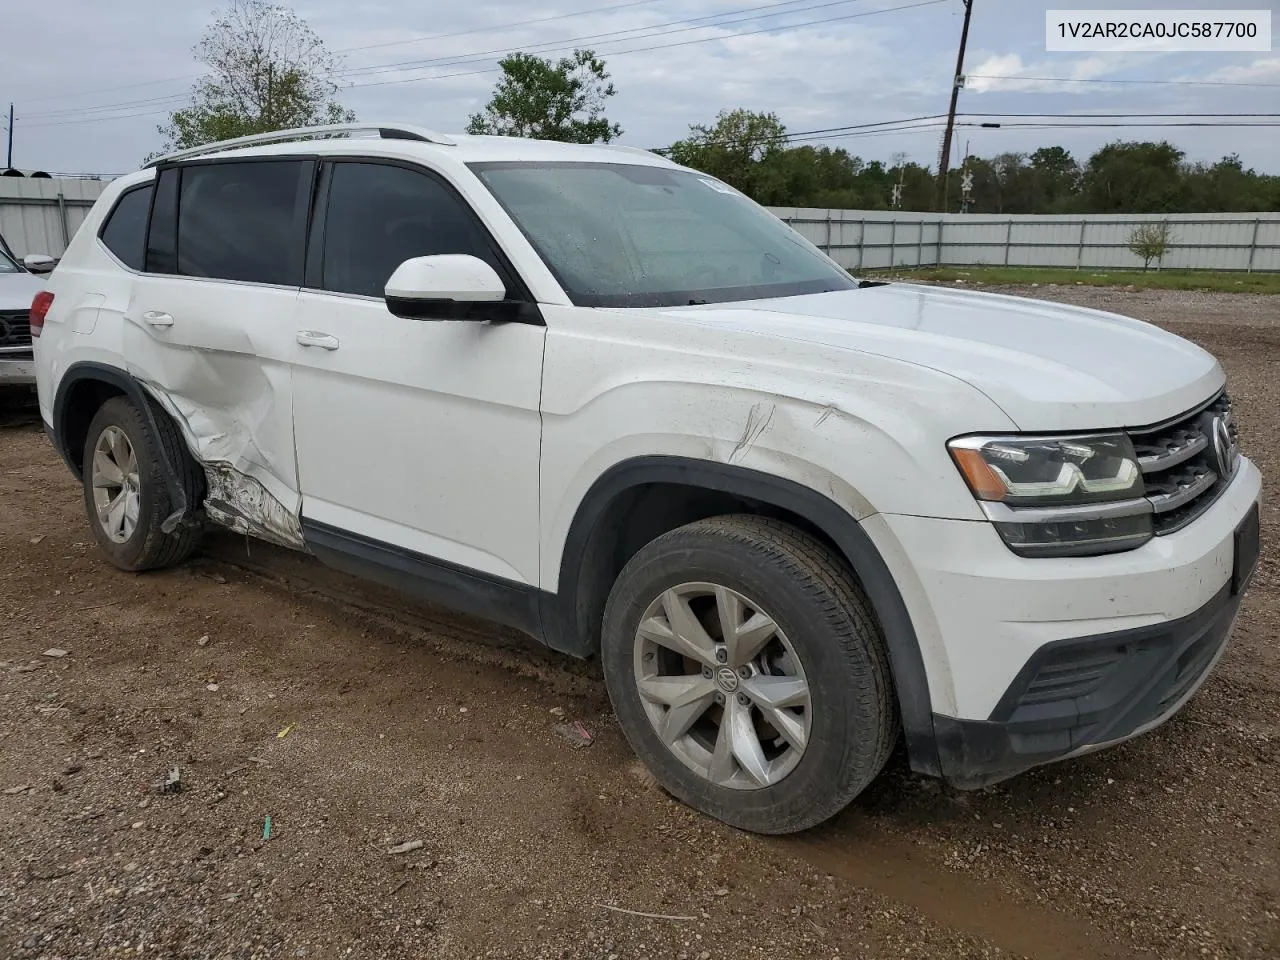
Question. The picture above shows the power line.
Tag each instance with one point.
(504, 26)
(616, 35)
(122, 116)
(1090, 126)
(122, 105)
(127, 86)
(666, 46)
(1181, 83)
(638, 33)
(371, 46)
(1120, 116)
(789, 135)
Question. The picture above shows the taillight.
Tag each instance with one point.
(39, 310)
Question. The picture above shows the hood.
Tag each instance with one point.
(1048, 366)
(17, 289)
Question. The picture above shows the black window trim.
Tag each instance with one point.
(146, 227)
(313, 272)
(307, 184)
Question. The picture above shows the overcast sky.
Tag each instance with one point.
(91, 80)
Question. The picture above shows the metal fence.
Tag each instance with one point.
(869, 240)
(39, 215)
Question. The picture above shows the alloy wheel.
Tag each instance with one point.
(116, 487)
(722, 685)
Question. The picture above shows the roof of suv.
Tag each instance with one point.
(460, 148)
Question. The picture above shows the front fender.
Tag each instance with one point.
(561, 610)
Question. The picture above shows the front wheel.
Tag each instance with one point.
(748, 673)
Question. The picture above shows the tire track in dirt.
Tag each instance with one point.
(850, 848)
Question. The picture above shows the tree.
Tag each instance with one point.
(561, 101)
(1134, 178)
(733, 148)
(1057, 178)
(267, 71)
(1150, 241)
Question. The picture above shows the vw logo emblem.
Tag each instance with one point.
(727, 678)
(1225, 448)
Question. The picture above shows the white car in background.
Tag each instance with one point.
(18, 286)
(611, 401)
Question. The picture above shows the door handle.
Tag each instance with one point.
(158, 318)
(311, 338)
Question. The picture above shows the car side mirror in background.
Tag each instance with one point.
(39, 263)
(450, 287)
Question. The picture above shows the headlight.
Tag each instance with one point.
(1058, 496)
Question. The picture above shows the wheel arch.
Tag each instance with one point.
(667, 492)
(82, 391)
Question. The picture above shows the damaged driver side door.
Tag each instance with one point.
(209, 328)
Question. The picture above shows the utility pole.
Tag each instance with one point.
(271, 74)
(944, 162)
(8, 164)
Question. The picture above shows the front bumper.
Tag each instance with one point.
(17, 373)
(1033, 660)
(1079, 695)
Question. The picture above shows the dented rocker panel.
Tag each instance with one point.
(239, 502)
(237, 497)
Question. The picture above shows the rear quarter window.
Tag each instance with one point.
(124, 232)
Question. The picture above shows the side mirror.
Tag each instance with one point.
(39, 263)
(446, 287)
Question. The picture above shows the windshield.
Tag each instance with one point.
(7, 265)
(626, 235)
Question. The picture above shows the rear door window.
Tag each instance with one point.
(125, 231)
(244, 220)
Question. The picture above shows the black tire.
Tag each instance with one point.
(812, 595)
(148, 547)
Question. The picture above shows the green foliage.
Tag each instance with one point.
(737, 149)
(1150, 241)
(1134, 178)
(1222, 282)
(267, 71)
(751, 151)
(547, 100)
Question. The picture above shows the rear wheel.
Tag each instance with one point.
(126, 497)
(748, 672)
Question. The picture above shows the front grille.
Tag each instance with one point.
(1186, 464)
(15, 331)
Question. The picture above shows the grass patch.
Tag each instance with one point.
(1218, 282)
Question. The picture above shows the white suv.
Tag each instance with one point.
(610, 401)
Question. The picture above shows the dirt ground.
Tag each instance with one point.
(358, 722)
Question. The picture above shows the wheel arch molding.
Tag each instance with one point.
(570, 616)
(70, 422)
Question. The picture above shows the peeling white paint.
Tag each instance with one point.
(236, 499)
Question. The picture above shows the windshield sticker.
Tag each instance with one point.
(718, 187)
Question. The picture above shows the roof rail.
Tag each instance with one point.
(387, 131)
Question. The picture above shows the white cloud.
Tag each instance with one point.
(984, 76)
(843, 72)
(1006, 73)
(1265, 70)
